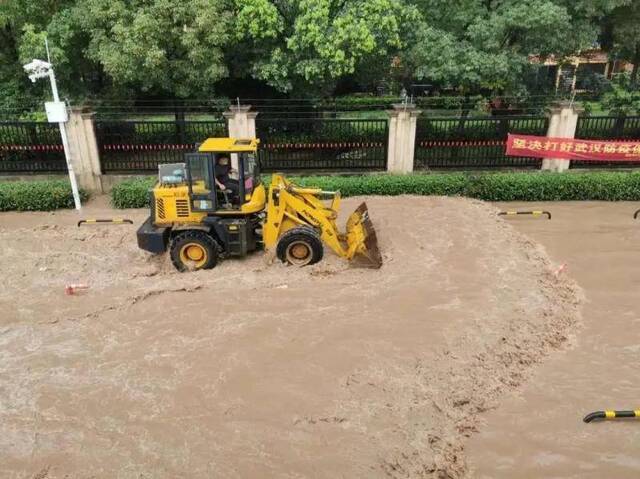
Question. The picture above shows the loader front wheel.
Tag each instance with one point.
(300, 247)
(193, 250)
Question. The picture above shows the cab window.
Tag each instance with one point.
(199, 170)
(251, 179)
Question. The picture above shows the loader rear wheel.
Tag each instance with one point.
(300, 247)
(193, 250)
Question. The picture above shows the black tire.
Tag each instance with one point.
(292, 245)
(186, 246)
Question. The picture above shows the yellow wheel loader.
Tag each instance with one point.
(215, 205)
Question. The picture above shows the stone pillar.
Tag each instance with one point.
(563, 119)
(83, 148)
(402, 138)
(241, 121)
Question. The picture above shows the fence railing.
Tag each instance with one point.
(470, 143)
(304, 144)
(607, 128)
(30, 147)
(295, 144)
(139, 146)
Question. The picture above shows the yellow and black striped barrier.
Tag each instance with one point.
(533, 213)
(113, 221)
(635, 215)
(610, 415)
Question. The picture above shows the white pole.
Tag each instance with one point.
(65, 145)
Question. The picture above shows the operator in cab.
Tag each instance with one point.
(223, 180)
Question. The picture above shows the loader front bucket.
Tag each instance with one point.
(361, 238)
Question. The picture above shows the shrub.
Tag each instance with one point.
(605, 186)
(37, 195)
(539, 186)
(349, 103)
(390, 185)
(132, 193)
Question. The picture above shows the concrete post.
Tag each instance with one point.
(84, 150)
(241, 121)
(563, 120)
(402, 138)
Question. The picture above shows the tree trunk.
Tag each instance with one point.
(636, 65)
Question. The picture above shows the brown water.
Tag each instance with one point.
(260, 370)
(538, 432)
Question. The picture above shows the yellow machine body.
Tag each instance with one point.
(192, 203)
(293, 206)
(172, 204)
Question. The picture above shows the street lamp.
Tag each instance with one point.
(56, 113)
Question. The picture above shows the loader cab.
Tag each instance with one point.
(243, 192)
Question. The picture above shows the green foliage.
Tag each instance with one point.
(623, 98)
(37, 195)
(604, 186)
(159, 45)
(389, 185)
(156, 47)
(164, 48)
(539, 186)
(621, 33)
(302, 44)
(484, 45)
(347, 103)
(132, 193)
(323, 131)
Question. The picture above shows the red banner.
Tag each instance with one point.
(573, 148)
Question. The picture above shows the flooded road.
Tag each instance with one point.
(538, 431)
(254, 369)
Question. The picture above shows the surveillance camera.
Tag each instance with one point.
(37, 65)
(37, 69)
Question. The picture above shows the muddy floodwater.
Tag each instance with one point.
(470, 353)
(537, 431)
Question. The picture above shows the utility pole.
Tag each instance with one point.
(56, 113)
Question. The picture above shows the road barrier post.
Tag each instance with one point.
(533, 213)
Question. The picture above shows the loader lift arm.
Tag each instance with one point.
(290, 206)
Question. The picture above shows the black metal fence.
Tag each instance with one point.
(317, 144)
(304, 144)
(623, 128)
(140, 146)
(31, 147)
(473, 143)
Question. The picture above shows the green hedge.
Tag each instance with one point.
(605, 186)
(132, 193)
(37, 195)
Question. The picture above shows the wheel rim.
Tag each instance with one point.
(193, 254)
(299, 253)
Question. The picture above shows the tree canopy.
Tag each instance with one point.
(164, 48)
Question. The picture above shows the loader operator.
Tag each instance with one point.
(223, 180)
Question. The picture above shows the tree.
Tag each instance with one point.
(621, 34)
(306, 46)
(479, 45)
(15, 16)
(131, 48)
(623, 98)
(159, 47)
